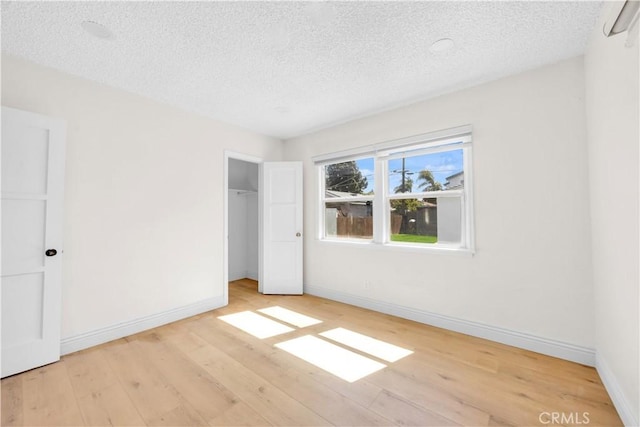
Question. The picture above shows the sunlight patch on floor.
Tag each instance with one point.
(290, 316)
(380, 349)
(336, 360)
(256, 325)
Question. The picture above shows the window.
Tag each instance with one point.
(348, 199)
(425, 197)
(413, 192)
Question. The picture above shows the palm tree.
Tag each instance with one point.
(429, 182)
(403, 206)
(405, 187)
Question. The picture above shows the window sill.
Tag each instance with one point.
(401, 247)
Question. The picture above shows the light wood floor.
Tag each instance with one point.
(202, 371)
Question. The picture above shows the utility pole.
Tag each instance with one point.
(402, 203)
(403, 173)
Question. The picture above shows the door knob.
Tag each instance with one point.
(298, 234)
(51, 252)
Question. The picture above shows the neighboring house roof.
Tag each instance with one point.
(458, 181)
(429, 205)
(332, 193)
(454, 175)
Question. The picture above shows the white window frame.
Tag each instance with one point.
(433, 142)
(324, 200)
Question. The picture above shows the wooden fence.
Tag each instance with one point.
(360, 227)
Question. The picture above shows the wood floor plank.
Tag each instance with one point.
(89, 371)
(406, 414)
(499, 422)
(194, 384)
(240, 414)
(332, 405)
(155, 399)
(237, 414)
(434, 399)
(181, 415)
(476, 387)
(49, 399)
(11, 401)
(266, 399)
(110, 406)
(585, 383)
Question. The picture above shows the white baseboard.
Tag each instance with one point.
(119, 330)
(244, 274)
(237, 275)
(562, 350)
(618, 397)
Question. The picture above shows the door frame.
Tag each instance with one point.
(228, 154)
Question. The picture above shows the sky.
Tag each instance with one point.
(441, 166)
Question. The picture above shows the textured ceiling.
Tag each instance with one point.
(287, 68)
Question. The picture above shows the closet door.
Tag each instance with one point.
(282, 243)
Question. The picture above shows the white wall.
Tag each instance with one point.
(143, 232)
(530, 279)
(243, 235)
(252, 236)
(238, 235)
(612, 122)
(243, 175)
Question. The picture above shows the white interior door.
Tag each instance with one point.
(32, 203)
(281, 255)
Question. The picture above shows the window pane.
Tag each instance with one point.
(353, 220)
(427, 172)
(433, 220)
(348, 179)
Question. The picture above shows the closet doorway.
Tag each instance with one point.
(242, 217)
